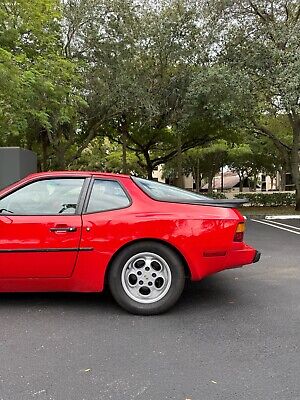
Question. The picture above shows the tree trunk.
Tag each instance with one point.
(124, 133)
(283, 178)
(241, 183)
(210, 183)
(254, 183)
(211, 176)
(124, 154)
(295, 161)
(123, 130)
(149, 171)
(297, 208)
(179, 164)
(60, 155)
(149, 165)
(198, 176)
(222, 179)
(241, 188)
(45, 162)
(291, 155)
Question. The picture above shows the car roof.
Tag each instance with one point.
(77, 173)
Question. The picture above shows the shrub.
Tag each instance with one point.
(263, 199)
(217, 195)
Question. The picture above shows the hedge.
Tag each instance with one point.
(216, 195)
(263, 199)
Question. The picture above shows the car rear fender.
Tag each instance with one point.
(167, 244)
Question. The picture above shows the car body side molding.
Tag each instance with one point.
(49, 250)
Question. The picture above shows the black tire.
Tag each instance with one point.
(174, 268)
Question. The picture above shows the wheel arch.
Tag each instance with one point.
(153, 240)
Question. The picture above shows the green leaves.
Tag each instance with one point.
(157, 79)
(262, 48)
(269, 199)
(40, 97)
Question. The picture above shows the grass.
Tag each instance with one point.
(284, 210)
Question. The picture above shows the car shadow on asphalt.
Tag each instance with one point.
(211, 292)
(66, 300)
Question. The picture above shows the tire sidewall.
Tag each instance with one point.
(177, 278)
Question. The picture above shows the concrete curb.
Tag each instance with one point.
(283, 216)
(270, 217)
(259, 216)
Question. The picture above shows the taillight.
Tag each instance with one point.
(239, 233)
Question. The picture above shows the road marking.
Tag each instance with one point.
(275, 226)
(288, 226)
(283, 216)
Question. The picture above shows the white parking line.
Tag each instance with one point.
(275, 226)
(288, 226)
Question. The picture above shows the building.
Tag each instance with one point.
(15, 164)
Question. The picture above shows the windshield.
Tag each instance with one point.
(163, 192)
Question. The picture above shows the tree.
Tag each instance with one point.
(251, 155)
(140, 61)
(201, 162)
(40, 101)
(102, 155)
(259, 56)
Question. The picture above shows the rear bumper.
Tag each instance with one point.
(235, 258)
(257, 256)
(244, 256)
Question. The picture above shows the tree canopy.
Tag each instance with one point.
(139, 83)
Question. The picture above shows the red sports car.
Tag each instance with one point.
(78, 231)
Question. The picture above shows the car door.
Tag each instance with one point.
(40, 229)
(105, 221)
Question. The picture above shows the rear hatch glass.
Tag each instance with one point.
(162, 192)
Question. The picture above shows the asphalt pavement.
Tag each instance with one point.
(234, 335)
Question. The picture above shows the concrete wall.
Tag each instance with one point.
(15, 164)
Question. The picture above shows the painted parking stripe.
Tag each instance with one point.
(275, 226)
(288, 226)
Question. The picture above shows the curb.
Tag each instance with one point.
(270, 217)
(259, 216)
(293, 216)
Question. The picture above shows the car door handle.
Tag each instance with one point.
(64, 229)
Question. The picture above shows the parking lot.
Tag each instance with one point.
(234, 335)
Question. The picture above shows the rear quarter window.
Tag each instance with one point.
(107, 195)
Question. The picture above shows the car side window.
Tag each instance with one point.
(107, 195)
(45, 197)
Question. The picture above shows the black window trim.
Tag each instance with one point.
(78, 210)
(89, 192)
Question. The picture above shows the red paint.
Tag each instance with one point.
(204, 235)
(34, 232)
